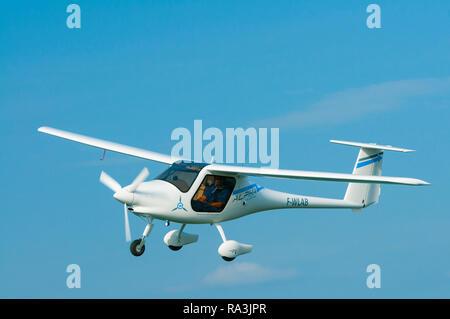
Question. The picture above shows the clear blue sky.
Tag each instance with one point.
(138, 69)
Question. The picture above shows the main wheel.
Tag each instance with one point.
(175, 247)
(134, 248)
(228, 258)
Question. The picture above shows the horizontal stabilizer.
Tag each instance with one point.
(372, 146)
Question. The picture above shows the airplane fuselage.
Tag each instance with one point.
(162, 200)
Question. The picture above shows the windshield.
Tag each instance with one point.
(181, 174)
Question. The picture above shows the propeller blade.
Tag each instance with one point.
(127, 224)
(110, 182)
(138, 180)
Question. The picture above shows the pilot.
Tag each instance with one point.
(216, 195)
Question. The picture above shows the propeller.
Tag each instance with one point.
(124, 194)
(127, 224)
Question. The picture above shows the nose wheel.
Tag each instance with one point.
(136, 248)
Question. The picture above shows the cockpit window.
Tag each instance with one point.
(181, 174)
(213, 194)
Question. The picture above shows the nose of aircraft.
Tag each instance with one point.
(124, 197)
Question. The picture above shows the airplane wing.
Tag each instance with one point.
(110, 146)
(315, 176)
(216, 168)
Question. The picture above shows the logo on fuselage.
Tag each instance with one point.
(179, 206)
(246, 193)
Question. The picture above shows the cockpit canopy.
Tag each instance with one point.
(182, 174)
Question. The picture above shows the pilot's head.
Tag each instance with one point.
(209, 180)
(219, 181)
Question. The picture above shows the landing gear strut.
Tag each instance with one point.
(137, 247)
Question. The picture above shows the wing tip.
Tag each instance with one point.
(43, 129)
(419, 182)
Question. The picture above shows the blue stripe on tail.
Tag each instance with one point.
(376, 159)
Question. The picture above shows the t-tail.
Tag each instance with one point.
(368, 162)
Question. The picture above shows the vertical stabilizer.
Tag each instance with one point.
(369, 162)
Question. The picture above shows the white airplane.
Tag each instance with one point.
(201, 193)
